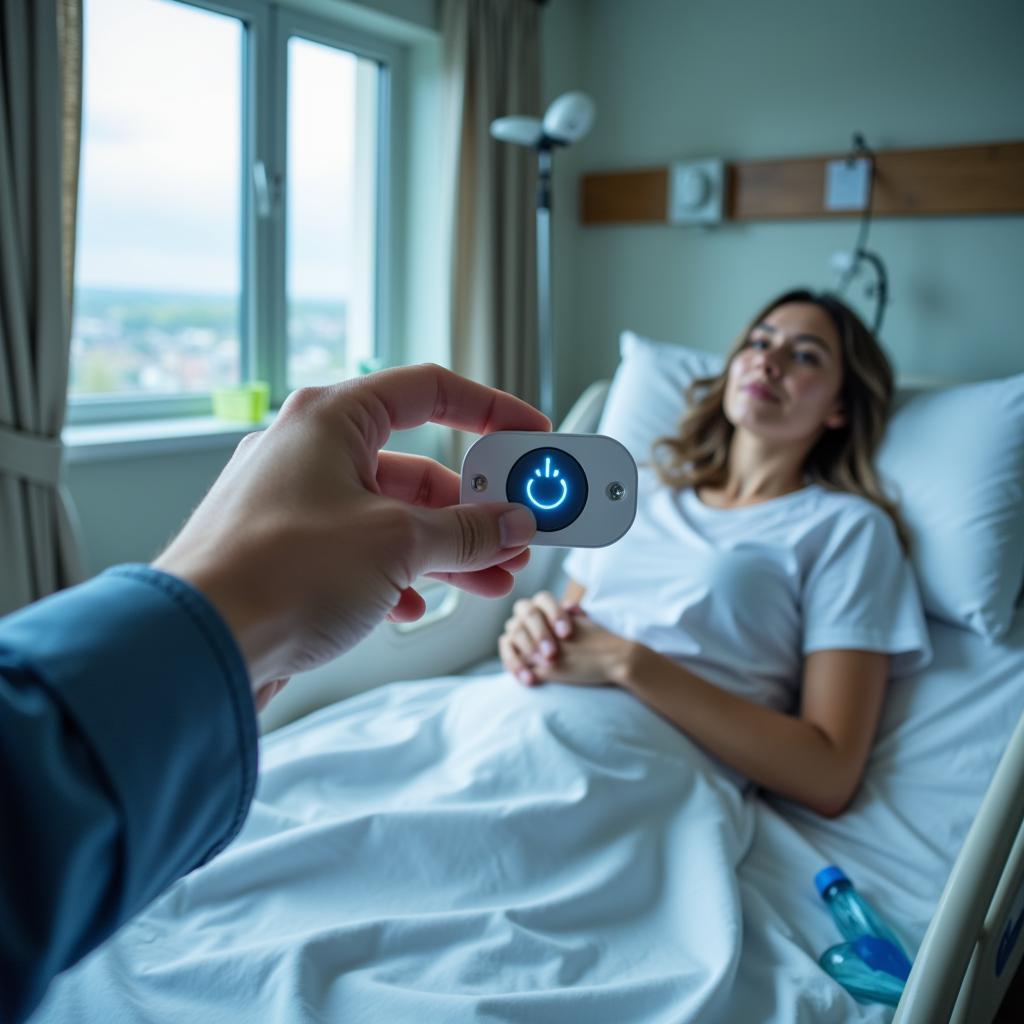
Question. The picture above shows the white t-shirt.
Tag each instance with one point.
(740, 595)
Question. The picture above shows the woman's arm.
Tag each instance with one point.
(816, 758)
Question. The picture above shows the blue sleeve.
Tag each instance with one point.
(127, 758)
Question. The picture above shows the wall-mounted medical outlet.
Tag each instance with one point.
(846, 184)
(696, 192)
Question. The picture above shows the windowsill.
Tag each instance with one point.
(133, 439)
(137, 438)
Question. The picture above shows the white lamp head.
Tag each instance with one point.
(524, 131)
(566, 121)
(569, 117)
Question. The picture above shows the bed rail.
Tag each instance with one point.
(585, 413)
(971, 951)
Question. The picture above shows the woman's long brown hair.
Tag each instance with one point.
(842, 460)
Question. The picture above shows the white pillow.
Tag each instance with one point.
(953, 457)
(645, 400)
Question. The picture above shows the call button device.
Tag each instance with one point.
(581, 488)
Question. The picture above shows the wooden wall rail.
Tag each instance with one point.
(951, 180)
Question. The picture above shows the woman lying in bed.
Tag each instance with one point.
(772, 596)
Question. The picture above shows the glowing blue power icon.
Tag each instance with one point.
(551, 484)
(547, 474)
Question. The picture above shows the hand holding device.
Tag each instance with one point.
(312, 535)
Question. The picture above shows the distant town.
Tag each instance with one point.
(152, 342)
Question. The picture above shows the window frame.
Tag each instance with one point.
(266, 28)
(286, 23)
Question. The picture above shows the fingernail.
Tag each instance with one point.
(547, 647)
(517, 527)
(524, 677)
(562, 627)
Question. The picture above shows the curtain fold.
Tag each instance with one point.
(491, 60)
(40, 129)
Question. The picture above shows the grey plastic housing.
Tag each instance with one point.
(608, 466)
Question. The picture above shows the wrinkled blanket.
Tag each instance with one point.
(461, 849)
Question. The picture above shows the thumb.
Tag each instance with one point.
(467, 537)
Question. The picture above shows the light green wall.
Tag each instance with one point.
(739, 79)
(128, 508)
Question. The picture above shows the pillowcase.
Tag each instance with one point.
(954, 460)
(952, 457)
(646, 397)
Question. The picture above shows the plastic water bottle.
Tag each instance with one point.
(871, 964)
(871, 970)
(852, 913)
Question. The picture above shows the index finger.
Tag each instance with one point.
(408, 396)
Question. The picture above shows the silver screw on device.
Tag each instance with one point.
(616, 491)
(479, 482)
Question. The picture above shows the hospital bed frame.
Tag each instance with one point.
(970, 952)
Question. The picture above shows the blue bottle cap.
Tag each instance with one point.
(828, 876)
(882, 955)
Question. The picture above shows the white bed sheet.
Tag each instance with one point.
(468, 850)
(940, 739)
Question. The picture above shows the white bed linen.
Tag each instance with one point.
(469, 850)
(941, 736)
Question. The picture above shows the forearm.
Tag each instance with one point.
(780, 752)
(128, 748)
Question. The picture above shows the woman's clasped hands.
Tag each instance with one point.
(547, 641)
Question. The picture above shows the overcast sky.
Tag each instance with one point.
(159, 196)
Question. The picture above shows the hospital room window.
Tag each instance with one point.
(158, 280)
(231, 204)
(332, 210)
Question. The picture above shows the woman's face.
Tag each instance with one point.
(784, 382)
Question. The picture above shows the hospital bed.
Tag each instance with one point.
(934, 837)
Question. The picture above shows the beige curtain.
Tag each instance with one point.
(491, 69)
(40, 127)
